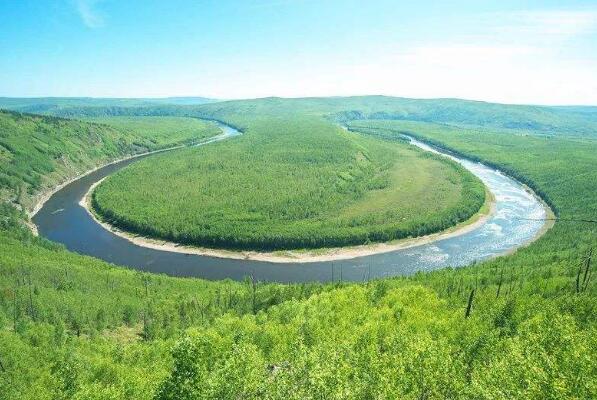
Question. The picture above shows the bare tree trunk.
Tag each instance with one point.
(31, 309)
(587, 274)
(15, 306)
(254, 287)
(500, 284)
(470, 304)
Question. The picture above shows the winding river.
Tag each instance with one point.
(516, 220)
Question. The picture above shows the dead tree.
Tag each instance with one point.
(15, 299)
(30, 290)
(587, 274)
(578, 279)
(254, 290)
(470, 304)
(497, 295)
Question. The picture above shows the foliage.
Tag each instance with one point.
(290, 183)
(62, 106)
(113, 325)
(162, 131)
(405, 343)
(39, 152)
(568, 121)
(75, 327)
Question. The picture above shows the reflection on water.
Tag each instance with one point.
(509, 227)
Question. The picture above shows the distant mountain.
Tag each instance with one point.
(56, 105)
(544, 120)
(185, 101)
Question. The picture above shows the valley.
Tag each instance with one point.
(129, 333)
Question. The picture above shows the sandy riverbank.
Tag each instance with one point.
(298, 256)
(44, 196)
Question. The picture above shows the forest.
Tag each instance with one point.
(517, 326)
(38, 152)
(161, 131)
(290, 183)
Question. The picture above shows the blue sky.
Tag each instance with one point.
(539, 52)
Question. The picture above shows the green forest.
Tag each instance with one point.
(519, 326)
(161, 131)
(290, 183)
(38, 152)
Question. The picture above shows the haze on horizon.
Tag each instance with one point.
(540, 53)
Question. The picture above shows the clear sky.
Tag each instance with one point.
(540, 52)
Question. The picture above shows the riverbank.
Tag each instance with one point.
(44, 196)
(490, 233)
(298, 256)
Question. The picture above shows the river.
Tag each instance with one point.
(516, 220)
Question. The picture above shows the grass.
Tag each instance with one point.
(290, 183)
(544, 158)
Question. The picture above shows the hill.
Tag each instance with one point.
(546, 120)
(39, 152)
(518, 326)
(63, 105)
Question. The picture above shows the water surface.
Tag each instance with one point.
(517, 220)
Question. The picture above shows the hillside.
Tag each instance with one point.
(548, 120)
(161, 131)
(39, 152)
(513, 119)
(59, 105)
(518, 326)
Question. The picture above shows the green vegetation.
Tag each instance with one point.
(290, 183)
(61, 106)
(512, 119)
(577, 121)
(76, 325)
(162, 131)
(39, 152)
(532, 159)
(388, 341)
(521, 326)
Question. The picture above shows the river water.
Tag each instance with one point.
(516, 221)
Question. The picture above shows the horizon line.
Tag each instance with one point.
(217, 99)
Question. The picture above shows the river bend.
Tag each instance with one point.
(516, 220)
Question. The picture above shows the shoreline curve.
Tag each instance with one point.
(44, 196)
(486, 215)
(296, 256)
